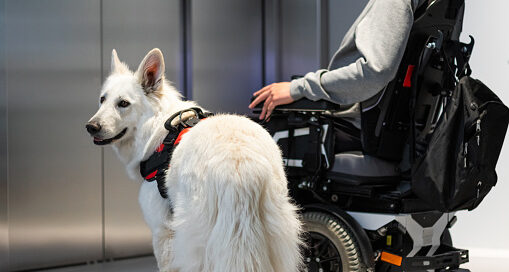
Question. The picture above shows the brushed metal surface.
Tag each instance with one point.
(4, 230)
(299, 46)
(272, 41)
(342, 15)
(322, 31)
(227, 53)
(133, 28)
(53, 77)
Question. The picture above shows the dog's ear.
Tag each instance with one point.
(150, 73)
(116, 65)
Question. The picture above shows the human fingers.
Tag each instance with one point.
(263, 89)
(262, 114)
(265, 107)
(259, 99)
(270, 108)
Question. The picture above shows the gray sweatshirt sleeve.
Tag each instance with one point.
(380, 38)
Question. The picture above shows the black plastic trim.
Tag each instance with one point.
(453, 258)
(303, 104)
(354, 180)
(427, 219)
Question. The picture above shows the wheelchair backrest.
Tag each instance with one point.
(397, 121)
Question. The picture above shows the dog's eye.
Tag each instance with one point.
(102, 99)
(123, 104)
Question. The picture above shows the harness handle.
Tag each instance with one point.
(199, 113)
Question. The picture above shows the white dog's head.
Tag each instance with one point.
(126, 97)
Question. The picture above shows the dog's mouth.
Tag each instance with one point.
(99, 141)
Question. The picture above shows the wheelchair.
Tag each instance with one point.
(358, 208)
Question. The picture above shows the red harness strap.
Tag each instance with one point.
(184, 131)
(155, 166)
(161, 148)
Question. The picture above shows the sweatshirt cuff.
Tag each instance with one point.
(297, 89)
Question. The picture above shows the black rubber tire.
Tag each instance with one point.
(339, 235)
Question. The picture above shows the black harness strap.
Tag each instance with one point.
(155, 167)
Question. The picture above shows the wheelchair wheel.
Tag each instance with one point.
(331, 245)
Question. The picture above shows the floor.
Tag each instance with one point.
(148, 264)
(142, 264)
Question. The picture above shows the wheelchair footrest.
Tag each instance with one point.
(446, 261)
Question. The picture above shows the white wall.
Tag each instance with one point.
(485, 231)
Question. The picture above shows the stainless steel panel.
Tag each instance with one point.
(322, 30)
(272, 41)
(299, 46)
(227, 53)
(133, 28)
(53, 77)
(341, 15)
(4, 234)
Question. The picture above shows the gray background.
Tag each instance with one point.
(65, 201)
(484, 231)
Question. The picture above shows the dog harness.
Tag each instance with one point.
(154, 168)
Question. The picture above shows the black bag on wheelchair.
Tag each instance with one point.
(306, 141)
(458, 168)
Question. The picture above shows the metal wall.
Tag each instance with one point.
(341, 15)
(301, 36)
(4, 235)
(64, 200)
(226, 37)
(133, 28)
(53, 51)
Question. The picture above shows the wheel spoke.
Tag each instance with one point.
(324, 248)
(322, 254)
(317, 245)
(331, 259)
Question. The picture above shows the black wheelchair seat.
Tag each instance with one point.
(355, 168)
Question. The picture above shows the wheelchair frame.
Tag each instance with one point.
(392, 229)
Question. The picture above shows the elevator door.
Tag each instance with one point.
(52, 60)
(4, 234)
(133, 28)
(342, 15)
(299, 47)
(226, 53)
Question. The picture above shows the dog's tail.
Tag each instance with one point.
(239, 213)
(255, 222)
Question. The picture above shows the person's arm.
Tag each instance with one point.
(381, 38)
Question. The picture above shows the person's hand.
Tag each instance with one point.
(274, 94)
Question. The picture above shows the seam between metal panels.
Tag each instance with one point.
(264, 45)
(186, 49)
(103, 200)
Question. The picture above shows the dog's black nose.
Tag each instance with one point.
(93, 127)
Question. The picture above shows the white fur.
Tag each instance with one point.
(226, 182)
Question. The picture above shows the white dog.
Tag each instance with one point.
(228, 206)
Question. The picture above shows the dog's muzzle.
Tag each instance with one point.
(99, 141)
(93, 128)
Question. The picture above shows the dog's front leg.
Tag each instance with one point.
(163, 250)
(157, 213)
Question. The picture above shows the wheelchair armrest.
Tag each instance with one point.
(303, 104)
